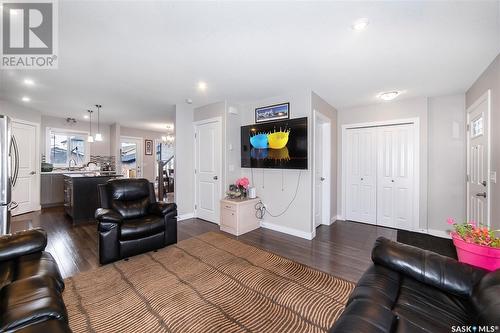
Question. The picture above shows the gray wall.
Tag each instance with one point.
(184, 163)
(18, 111)
(490, 79)
(320, 105)
(447, 160)
(148, 161)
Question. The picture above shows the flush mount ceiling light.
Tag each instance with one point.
(29, 82)
(360, 24)
(202, 86)
(389, 95)
(26, 99)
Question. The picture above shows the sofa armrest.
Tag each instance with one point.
(107, 219)
(486, 299)
(427, 267)
(22, 243)
(161, 208)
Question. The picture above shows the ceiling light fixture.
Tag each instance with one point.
(98, 135)
(26, 99)
(86, 116)
(202, 86)
(389, 95)
(90, 138)
(360, 24)
(29, 82)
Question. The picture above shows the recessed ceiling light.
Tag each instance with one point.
(202, 86)
(360, 24)
(86, 117)
(26, 99)
(189, 101)
(389, 95)
(29, 82)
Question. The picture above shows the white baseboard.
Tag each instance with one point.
(437, 233)
(339, 218)
(187, 216)
(287, 230)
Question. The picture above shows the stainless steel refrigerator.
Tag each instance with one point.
(9, 168)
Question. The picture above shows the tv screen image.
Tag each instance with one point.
(277, 145)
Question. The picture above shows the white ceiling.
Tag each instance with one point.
(138, 59)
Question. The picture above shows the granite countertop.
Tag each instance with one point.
(96, 174)
(63, 172)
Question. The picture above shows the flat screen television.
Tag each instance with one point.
(277, 145)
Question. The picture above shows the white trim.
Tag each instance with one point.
(435, 232)
(288, 231)
(325, 214)
(416, 182)
(36, 204)
(88, 151)
(186, 216)
(140, 152)
(486, 96)
(195, 142)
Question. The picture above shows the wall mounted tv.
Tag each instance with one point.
(277, 145)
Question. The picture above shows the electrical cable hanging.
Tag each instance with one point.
(98, 135)
(261, 210)
(90, 138)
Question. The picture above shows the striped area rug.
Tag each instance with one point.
(209, 283)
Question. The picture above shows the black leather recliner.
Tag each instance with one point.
(131, 221)
(408, 289)
(30, 285)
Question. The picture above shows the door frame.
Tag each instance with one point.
(416, 181)
(195, 159)
(322, 120)
(484, 97)
(36, 203)
(141, 147)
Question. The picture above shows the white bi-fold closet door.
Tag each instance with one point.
(380, 175)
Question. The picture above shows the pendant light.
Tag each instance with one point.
(90, 138)
(98, 135)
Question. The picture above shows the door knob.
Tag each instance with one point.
(481, 194)
(322, 178)
(484, 183)
(361, 178)
(215, 177)
(32, 172)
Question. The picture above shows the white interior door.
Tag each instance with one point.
(24, 192)
(395, 176)
(478, 161)
(208, 142)
(131, 157)
(361, 175)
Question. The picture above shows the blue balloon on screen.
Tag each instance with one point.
(259, 141)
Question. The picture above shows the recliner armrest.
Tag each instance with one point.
(22, 243)
(161, 208)
(427, 267)
(107, 218)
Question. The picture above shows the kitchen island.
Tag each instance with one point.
(80, 194)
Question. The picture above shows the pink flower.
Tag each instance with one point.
(243, 182)
(450, 221)
(472, 223)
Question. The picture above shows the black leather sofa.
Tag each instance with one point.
(408, 289)
(131, 221)
(30, 285)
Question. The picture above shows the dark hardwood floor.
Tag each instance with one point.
(342, 249)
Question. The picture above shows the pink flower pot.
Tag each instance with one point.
(477, 255)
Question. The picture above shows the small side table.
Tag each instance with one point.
(238, 215)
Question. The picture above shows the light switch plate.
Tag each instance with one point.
(493, 177)
(231, 167)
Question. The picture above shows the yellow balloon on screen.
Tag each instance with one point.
(278, 140)
(279, 154)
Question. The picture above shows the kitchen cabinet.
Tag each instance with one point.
(52, 190)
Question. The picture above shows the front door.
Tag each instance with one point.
(131, 157)
(208, 142)
(24, 191)
(478, 161)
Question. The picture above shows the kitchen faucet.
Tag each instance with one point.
(69, 164)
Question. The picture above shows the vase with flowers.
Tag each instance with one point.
(242, 183)
(476, 245)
